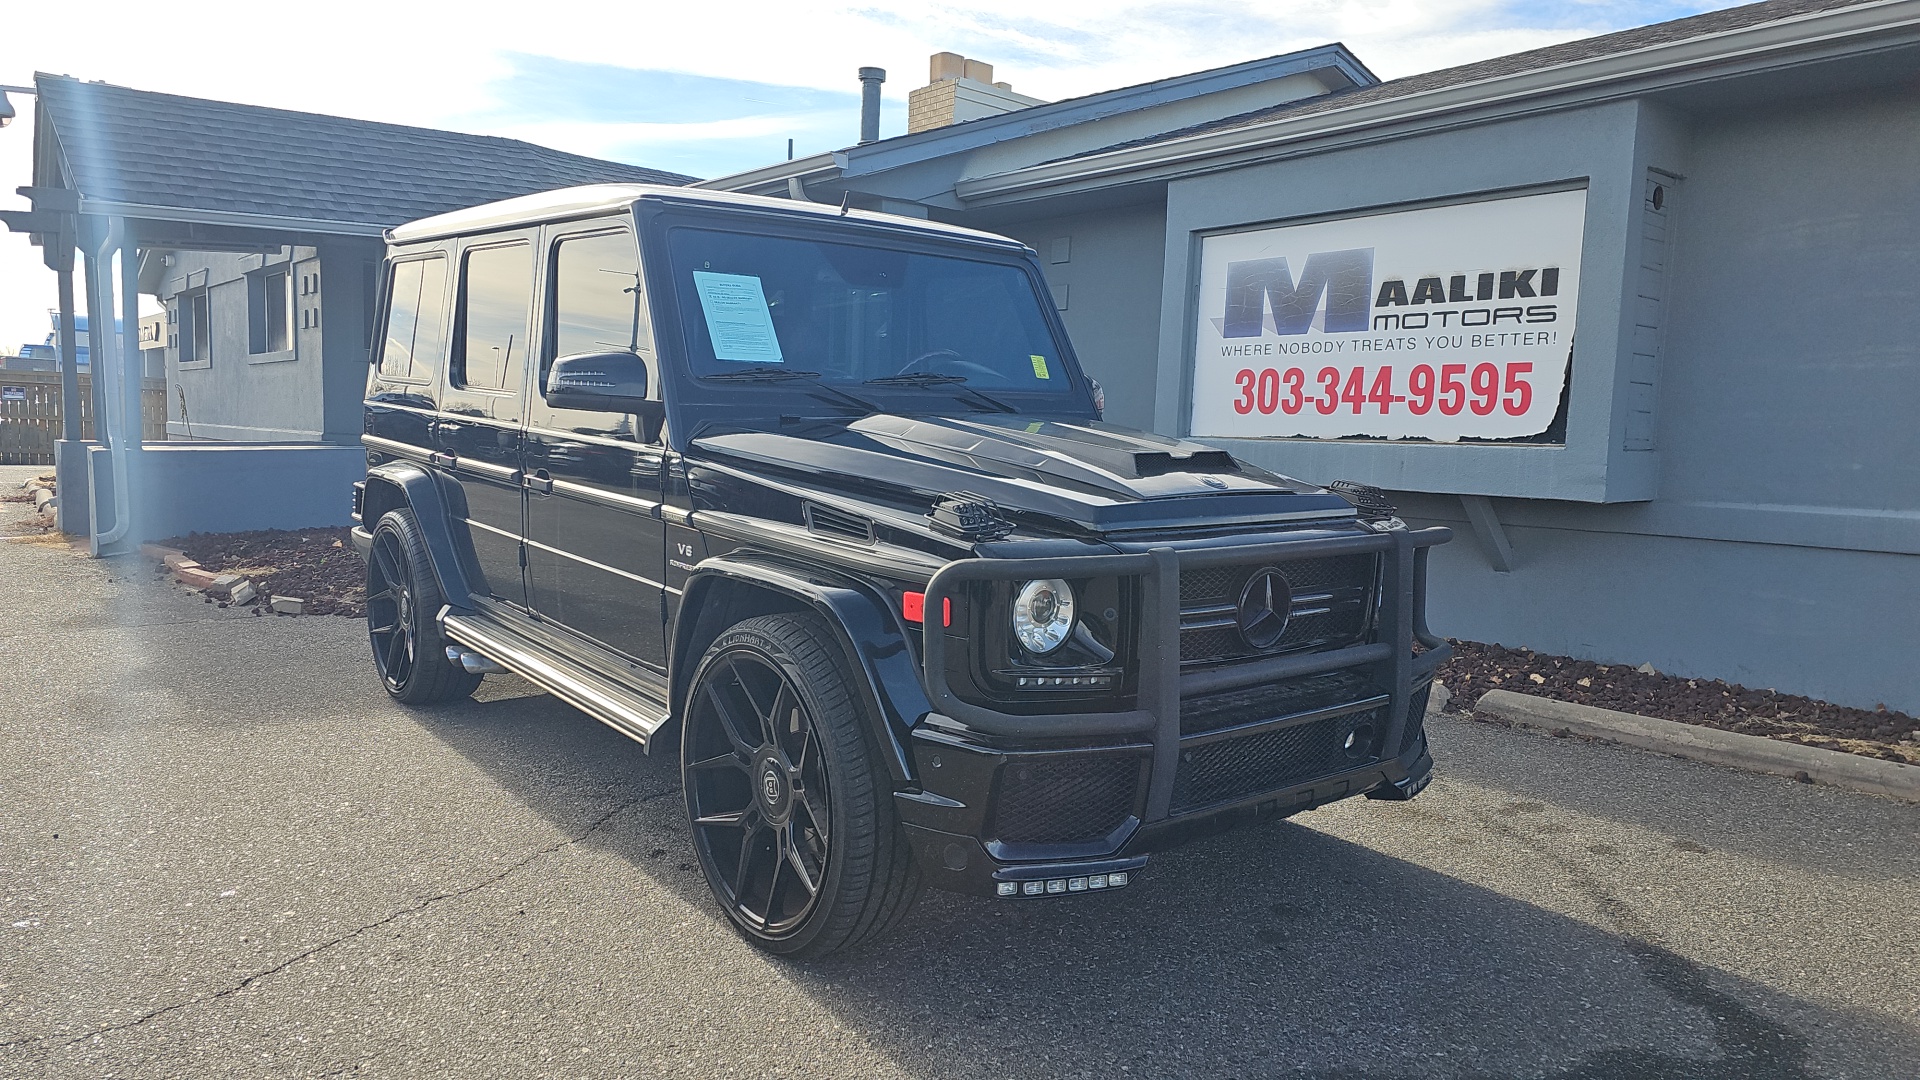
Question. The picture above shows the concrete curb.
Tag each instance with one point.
(1835, 768)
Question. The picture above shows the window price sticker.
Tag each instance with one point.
(1445, 323)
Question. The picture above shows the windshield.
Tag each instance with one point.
(856, 314)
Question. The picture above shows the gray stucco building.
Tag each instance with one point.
(1717, 475)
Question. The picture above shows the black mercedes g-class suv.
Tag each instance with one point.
(825, 495)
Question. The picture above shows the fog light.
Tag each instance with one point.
(1057, 885)
(1114, 881)
(1097, 881)
(1009, 888)
(1078, 884)
(1034, 888)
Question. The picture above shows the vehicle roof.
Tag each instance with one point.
(593, 199)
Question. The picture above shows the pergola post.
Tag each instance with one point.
(134, 371)
(99, 338)
(69, 454)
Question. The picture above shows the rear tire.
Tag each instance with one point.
(403, 608)
(793, 822)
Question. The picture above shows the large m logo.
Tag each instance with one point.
(1344, 277)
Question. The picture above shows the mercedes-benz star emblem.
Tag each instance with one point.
(1265, 605)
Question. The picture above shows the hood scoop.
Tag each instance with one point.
(1160, 462)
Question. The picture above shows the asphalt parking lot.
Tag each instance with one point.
(223, 852)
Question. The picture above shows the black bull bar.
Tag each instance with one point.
(1402, 621)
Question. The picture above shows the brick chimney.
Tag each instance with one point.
(957, 90)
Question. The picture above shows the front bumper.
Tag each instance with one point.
(1115, 786)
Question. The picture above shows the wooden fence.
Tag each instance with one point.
(30, 420)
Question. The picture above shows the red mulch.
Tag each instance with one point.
(316, 565)
(1476, 668)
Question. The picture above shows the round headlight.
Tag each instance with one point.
(1043, 615)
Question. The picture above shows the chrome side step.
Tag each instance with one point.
(626, 709)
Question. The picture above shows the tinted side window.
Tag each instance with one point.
(416, 320)
(495, 294)
(597, 303)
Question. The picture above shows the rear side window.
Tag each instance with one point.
(416, 320)
(495, 295)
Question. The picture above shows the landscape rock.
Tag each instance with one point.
(193, 577)
(287, 605)
(242, 593)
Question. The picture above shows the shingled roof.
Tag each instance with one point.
(134, 148)
(1712, 22)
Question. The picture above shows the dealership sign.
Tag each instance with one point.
(1446, 323)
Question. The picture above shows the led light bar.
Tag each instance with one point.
(1101, 681)
(1059, 886)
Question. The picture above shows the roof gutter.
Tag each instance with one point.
(110, 208)
(774, 179)
(1830, 28)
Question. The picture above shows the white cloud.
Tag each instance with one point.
(440, 64)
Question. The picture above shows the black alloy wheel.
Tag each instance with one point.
(403, 601)
(797, 841)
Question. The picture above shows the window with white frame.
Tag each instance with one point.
(195, 327)
(270, 310)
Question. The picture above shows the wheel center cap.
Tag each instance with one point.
(774, 791)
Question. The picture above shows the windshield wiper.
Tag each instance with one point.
(937, 378)
(768, 373)
(764, 373)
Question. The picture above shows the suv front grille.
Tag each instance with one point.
(1236, 768)
(1270, 701)
(1065, 800)
(1332, 599)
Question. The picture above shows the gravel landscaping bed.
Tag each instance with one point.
(1477, 668)
(317, 565)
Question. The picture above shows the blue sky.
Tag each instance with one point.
(705, 89)
(710, 124)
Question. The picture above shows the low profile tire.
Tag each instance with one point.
(792, 820)
(403, 602)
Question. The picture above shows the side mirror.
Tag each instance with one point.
(598, 382)
(1099, 397)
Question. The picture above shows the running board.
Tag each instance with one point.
(623, 708)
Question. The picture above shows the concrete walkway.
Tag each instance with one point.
(223, 852)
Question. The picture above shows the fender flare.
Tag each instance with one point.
(421, 492)
(886, 675)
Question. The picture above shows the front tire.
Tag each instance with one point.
(793, 823)
(403, 607)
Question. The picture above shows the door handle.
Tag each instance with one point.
(444, 460)
(541, 481)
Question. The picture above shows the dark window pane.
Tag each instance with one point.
(497, 293)
(202, 326)
(416, 320)
(275, 309)
(597, 296)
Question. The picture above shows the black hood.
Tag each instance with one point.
(1093, 475)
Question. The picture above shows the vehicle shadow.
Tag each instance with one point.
(1277, 950)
